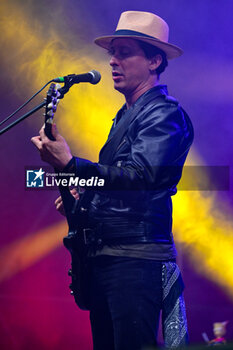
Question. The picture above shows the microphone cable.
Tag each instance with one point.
(25, 103)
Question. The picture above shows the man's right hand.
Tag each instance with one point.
(59, 204)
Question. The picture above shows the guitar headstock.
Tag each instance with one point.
(52, 100)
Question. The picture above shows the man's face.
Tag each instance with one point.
(130, 67)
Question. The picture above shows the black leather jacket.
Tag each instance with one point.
(141, 163)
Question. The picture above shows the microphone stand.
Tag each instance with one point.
(63, 91)
(17, 121)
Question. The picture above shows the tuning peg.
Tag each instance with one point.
(70, 272)
(50, 113)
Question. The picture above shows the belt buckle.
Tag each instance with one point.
(85, 235)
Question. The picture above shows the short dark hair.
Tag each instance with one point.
(151, 51)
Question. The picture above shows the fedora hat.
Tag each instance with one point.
(144, 26)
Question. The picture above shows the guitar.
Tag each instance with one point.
(76, 218)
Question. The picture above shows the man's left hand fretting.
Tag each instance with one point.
(56, 153)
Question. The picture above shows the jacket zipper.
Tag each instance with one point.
(122, 142)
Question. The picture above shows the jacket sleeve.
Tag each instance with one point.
(157, 151)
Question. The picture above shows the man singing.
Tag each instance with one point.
(132, 258)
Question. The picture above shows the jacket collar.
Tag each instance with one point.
(158, 90)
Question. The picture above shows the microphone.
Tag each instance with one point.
(92, 77)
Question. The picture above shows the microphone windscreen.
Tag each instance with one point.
(96, 76)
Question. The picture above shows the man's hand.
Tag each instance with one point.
(59, 204)
(56, 153)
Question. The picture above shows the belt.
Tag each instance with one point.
(131, 233)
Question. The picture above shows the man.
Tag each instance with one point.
(133, 274)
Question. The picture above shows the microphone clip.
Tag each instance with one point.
(68, 82)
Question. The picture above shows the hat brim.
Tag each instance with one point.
(171, 51)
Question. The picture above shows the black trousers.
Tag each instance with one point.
(126, 299)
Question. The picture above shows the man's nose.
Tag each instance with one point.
(113, 61)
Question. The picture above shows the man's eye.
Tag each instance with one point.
(124, 53)
(119, 53)
(110, 52)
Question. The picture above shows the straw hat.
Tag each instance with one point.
(144, 26)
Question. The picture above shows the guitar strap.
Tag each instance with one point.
(117, 133)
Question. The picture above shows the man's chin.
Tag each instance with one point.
(119, 88)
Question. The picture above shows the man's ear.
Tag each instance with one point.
(155, 62)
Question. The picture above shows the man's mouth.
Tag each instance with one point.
(116, 75)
